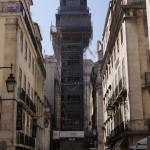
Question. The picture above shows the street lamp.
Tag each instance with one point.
(10, 82)
(109, 110)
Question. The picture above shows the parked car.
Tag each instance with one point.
(142, 145)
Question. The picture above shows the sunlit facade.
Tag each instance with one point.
(21, 112)
(125, 73)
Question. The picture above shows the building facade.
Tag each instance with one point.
(22, 112)
(70, 38)
(88, 65)
(96, 109)
(148, 19)
(51, 68)
(125, 74)
(52, 93)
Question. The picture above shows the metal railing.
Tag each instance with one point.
(122, 85)
(25, 139)
(129, 127)
(27, 101)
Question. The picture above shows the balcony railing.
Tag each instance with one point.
(122, 86)
(26, 102)
(120, 89)
(25, 140)
(131, 127)
(111, 100)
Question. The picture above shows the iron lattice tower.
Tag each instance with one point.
(70, 38)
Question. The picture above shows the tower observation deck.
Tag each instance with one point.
(70, 37)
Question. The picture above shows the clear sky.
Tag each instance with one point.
(43, 12)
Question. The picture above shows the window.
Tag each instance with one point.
(123, 68)
(107, 72)
(31, 124)
(21, 41)
(29, 89)
(29, 59)
(32, 65)
(115, 54)
(27, 125)
(32, 94)
(26, 51)
(24, 84)
(112, 61)
(20, 77)
(23, 120)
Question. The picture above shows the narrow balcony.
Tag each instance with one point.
(26, 102)
(129, 128)
(122, 86)
(120, 90)
(111, 100)
(26, 140)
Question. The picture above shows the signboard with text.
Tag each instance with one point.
(71, 134)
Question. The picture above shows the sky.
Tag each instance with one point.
(43, 12)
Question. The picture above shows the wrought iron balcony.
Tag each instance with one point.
(122, 86)
(120, 129)
(25, 140)
(120, 90)
(26, 102)
(111, 100)
(129, 128)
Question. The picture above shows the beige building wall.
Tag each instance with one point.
(50, 66)
(126, 60)
(88, 64)
(52, 89)
(17, 47)
(148, 18)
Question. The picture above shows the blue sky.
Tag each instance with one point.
(43, 12)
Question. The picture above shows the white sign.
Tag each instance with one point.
(55, 134)
(71, 134)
